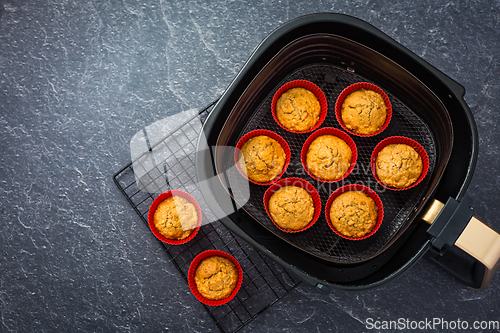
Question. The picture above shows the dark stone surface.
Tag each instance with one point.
(79, 78)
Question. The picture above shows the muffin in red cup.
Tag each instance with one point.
(299, 106)
(262, 156)
(399, 163)
(329, 155)
(293, 204)
(354, 212)
(174, 217)
(363, 109)
(210, 288)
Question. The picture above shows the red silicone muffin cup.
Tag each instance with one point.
(192, 270)
(329, 131)
(358, 86)
(270, 134)
(309, 86)
(355, 187)
(292, 181)
(400, 139)
(155, 204)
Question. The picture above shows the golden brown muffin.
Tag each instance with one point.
(175, 218)
(353, 214)
(262, 158)
(364, 111)
(291, 207)
(398, 165)
(216, 277)
(298, 109)
(328, 157)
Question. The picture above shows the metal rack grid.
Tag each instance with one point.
(264, 282)
(319, 240)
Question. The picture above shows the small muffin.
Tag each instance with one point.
(298, 109)
(398, 165)
(291, 207)
(262, 158)
(328, 157)
(353, 214)
(175, 218)
(216, 277)
(364, 111)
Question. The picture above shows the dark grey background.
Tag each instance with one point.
(79, 78)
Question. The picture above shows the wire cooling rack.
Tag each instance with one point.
(264, 282)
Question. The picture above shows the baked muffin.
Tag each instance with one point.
(398, 165)
(291, 207)
(175, 218)
(262, 158)
(328, 157)
(216, 277)
(364, 111)
(353, 214)
(298, 109)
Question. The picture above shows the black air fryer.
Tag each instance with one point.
(433, 218)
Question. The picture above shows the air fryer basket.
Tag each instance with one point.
(354, 50)
(319, 52)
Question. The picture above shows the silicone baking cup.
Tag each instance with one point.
(154, 205)
(394, 140)
(293, 181)
(355, 187)
(335, 132)
(358, 86)
(270, 134)
(192, 270)
(306, 85)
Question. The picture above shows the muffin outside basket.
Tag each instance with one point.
(395, 140)
(270, 134)
(306, 85)
(192, 270)
(335, 132)
(355, 187)
(155, 204)
(358, 86)
(293, 181)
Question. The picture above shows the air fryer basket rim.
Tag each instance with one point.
(450, 92)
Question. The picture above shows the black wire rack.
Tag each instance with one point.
(143, 179)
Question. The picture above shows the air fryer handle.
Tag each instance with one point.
(465, 246)
(482, 243)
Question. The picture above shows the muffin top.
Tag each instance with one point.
(216, 277)
(398, 165)
(364, 111)
(175, 218)
(261, 158)
(353, 214)
(328, 157)
(291, 207)
(298, 109)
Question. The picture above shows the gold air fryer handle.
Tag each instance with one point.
(477, 239)
(482, 243)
